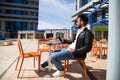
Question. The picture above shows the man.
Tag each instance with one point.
(78, 49)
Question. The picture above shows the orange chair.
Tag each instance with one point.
(104, 46)
(66, 62)
(26, 55)
(96, 48)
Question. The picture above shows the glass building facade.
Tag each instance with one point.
(16, 15)
(97, 12)
(80, 3)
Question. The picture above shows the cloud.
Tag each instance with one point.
(55, 12)
(47, 25)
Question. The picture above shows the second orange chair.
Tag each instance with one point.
(26, 55)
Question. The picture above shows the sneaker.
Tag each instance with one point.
(58, 73)
(43, 69)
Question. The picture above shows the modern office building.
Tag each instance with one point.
(97, 11)
(18, 15)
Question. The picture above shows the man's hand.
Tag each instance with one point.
(60, 39)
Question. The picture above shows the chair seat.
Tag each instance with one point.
(30, 54)
(104, 47)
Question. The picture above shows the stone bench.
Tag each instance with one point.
(5, 42)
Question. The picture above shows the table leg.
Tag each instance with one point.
(49, 61)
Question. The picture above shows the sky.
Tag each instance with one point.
(55, 14)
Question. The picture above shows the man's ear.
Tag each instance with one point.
(82, 23)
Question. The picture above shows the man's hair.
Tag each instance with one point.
(84, 18)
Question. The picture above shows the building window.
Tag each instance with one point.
(36, 25)
(24, 12)
(19, 12)
(49, 35)
(14, 26)
(32, 3)
(0, 25)
(89, 1)
(59, 34)
(24, 25)
(36, 14)
(31, 26)
(18, 1)
(32, 13)
(105, 34)
(98, 35)
(9, 11)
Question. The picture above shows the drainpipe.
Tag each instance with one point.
(113, 64)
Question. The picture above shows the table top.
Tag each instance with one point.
(52, 42)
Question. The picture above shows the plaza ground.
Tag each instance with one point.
(9, 55)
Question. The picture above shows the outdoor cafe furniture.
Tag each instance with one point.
(24, 55)
(104, 45)
(99, 47)
(95, 48)
(81, 61)
(48, 48)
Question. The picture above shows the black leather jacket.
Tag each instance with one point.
(83, 43)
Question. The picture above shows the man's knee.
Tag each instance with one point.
(53, 57)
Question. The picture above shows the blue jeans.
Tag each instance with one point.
(56, 58)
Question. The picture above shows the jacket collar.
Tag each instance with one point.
(85, 29)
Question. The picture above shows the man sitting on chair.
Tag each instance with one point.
(77, 49)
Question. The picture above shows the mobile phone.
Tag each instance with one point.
(59, 38)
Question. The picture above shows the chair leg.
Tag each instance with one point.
(20, 67)
(39, 60)
(85, 69)
(97, 55)
(39, 64)
(65, 64)
(17, 63)
(36, 58)
(34, 62)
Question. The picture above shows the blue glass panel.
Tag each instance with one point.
(31, 26)
(18, 24)
(24, 25)
(17, 1)
(0, 25)
(14, 26)
(19, 12)
(89, 0)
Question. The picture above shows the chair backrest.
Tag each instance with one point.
(20, 47)
(40, 41)
(104, 42)
(94, 43)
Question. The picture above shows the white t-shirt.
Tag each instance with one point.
(74, 43)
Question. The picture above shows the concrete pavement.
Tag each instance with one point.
(9, 54)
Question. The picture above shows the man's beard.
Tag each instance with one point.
(79, 26)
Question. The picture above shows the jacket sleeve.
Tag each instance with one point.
(68, 41)
(88, 39)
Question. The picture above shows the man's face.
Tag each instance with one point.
(79, 23)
